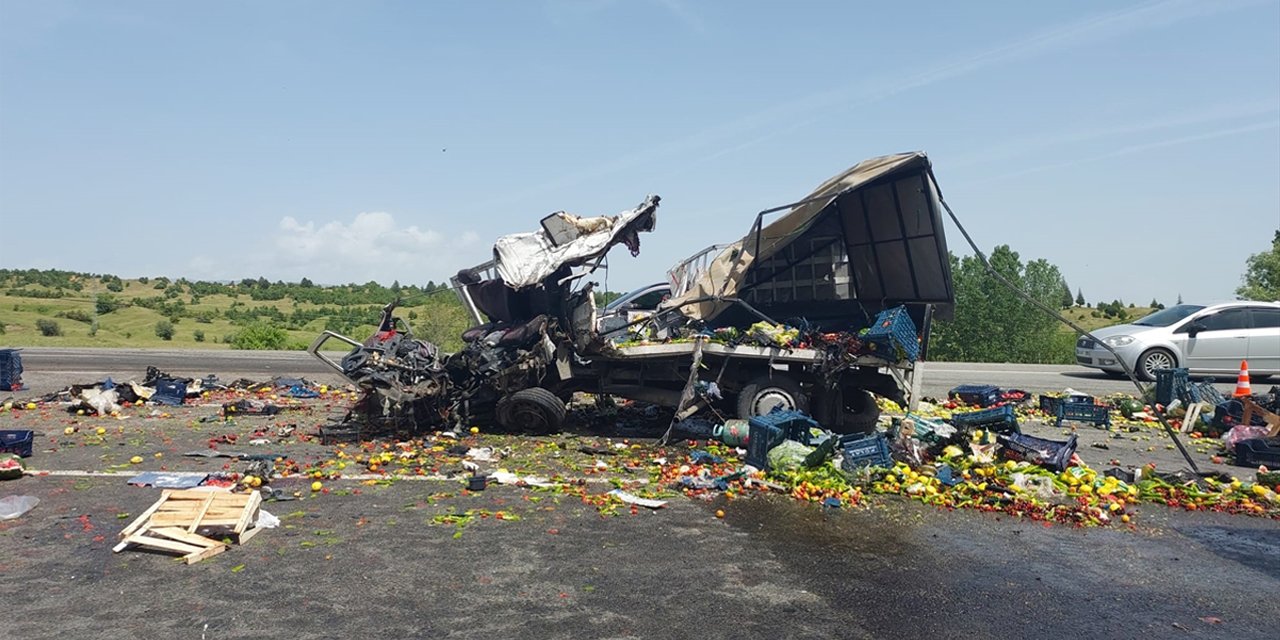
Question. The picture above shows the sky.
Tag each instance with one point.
(1135, 145)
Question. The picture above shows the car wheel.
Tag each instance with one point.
(534, 410)
(1152, 360)
(766, 393)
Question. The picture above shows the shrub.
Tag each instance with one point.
(260, 337)
(164, 329)
(106, 304)
(198, 335)
(48, 327)
(79, 315)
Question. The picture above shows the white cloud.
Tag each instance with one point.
(372, 246)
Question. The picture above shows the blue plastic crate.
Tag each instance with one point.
(1084, 412)
(893, 335)
(1049, 404)
(768, 431)
(999, 420)
(16, 441)
(10, 369)
(864, 451)
(170, 392)
(1171, 384)
(978, 395)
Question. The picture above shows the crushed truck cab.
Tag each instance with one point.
(786, 317)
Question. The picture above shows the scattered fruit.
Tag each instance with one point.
(316, 486)
(135, 460)
(719, 513)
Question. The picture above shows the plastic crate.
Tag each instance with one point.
(859, 451)
(999, 420)
(1205, 392)
(1084, 412)
(10, 370)
(1049, 404)
(1050, 454)
(1258, 451)
(1170, 384)
(978, 395)
(893, 332)
(170, 392)
(768, 431)
(17, 441)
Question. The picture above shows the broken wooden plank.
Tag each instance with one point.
(250, 514)
(181, 535)
(204, 508)
(163, 544)
(246, 535)
(142, 519)
(207, 553)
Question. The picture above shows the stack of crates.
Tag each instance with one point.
(10, 370)
(893, 336)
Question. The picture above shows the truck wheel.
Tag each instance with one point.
(764, 394)
(851, 411)
(533, 410)
(861, 413)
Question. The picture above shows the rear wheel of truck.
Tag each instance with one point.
(847, 411)
(766, 393)
(533, 410)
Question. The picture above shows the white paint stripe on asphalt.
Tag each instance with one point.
(75, 473)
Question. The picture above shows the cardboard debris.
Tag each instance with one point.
(175, 523)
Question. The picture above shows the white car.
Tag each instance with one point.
(1207, 340)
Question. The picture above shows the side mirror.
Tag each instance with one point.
(1194, 328)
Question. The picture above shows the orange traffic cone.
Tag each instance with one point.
(1242, 381)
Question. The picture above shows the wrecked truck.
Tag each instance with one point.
(774, 320)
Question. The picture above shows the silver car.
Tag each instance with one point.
(1207, 340)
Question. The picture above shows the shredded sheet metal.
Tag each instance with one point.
(525, 259)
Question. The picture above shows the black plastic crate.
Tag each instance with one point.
(859, 451)
(1089, 412)
(893, 335)
(1257, 452)
(1051, 454)
(17, 441)
(1000, 420)
(978, 395)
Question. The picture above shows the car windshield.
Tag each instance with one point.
(1166, 317)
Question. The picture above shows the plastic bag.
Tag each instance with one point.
(788, 456)
(1036, 485)
(14, 506)
(1243, 432)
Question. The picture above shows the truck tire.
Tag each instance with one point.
(534, 410)
(763, 394)
(847, 411)
(861, 413)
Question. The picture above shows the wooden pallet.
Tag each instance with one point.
(173, 523)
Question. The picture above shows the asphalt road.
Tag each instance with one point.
(50, 367)
(371, 559)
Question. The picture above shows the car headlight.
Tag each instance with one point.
(1118, 341)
